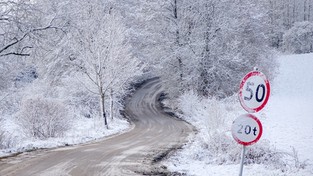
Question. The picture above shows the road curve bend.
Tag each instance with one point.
(130, 153)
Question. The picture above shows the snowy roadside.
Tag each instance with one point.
(85, 125)
(83, 131)
(286, 120)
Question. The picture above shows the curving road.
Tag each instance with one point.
(133, 153)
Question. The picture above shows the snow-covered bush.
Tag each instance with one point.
(299, 39)
(214, 144)
(1, 139)
(7, 140)
(194, 108)
(41, 118)
(84, 103)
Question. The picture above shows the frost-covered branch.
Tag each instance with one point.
(16, 41)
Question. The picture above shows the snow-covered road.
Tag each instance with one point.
(131, 153)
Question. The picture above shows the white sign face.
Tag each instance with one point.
(254, 91)
(247, 129)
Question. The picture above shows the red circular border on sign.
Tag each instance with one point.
(267, 84)
(257, 138)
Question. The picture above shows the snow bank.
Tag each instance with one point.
(83, 130)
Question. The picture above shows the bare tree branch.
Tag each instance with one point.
(14, 53)
(89, 90)
(18, 40)
(4, 19)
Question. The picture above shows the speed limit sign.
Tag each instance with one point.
(247, 129)
(254, 91)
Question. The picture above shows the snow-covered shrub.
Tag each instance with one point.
(7, 140)
(210, 117)
(84, 103)
(222, 149)
(195, 108)
(299, 38)
(294, 158)
(41, 118)
(264, 153)
(216, 119)
(214, 144)
(1, 139)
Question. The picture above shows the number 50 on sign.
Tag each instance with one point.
(254, 91)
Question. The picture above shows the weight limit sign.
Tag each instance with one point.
(247, 129)
(254, 91)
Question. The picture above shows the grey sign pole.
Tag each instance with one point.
(242, 159)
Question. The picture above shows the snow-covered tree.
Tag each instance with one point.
(205, 46)
(101, 51)
(299, 38)
(284, 14)
(210, 45)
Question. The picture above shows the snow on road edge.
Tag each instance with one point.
(84, 130)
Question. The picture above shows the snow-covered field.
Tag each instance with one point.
(289, 121)
(287, 124)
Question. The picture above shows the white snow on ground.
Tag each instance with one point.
(84, 130)
(287, 123)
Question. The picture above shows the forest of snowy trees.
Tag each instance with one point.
(67, 59)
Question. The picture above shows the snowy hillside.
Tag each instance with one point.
(287, 121)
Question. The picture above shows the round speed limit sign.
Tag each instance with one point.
(247, 129)
(254, 91)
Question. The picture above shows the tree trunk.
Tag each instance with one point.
(180, 64)
(111, 104)
(103, 111)
(294, 16)
(309, 14)
(177, 42)
(305, 11)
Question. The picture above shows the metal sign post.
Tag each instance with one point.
(242, 159)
